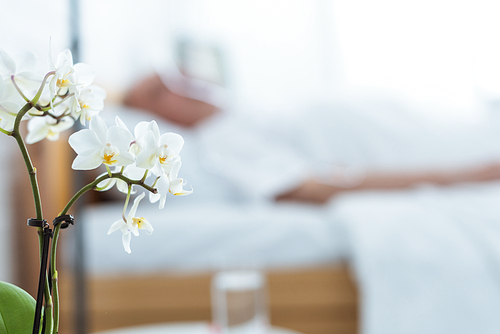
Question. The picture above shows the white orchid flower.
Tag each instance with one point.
(68, 75)
(87, 103)
(169, 183)
(176, 183)
(131, 225)
(100, 145)
(131, 171)
(143, 127)
(40, 128)
(162, 186)
(23, 68)
(157, 151)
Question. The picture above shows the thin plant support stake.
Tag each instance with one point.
(47, 233)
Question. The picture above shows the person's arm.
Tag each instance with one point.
(152, 95)
(318, 192)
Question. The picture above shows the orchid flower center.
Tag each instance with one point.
(134, 148)
(165, 154)
(63, 83)
(108, 153)
(51, 133)
(139, 222)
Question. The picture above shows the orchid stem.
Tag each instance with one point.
(126, 203)
(93, 185)
(145, 175)
(19, 89)
(57, 104)
(27, 160)
(6, 132)
(42, 86)
(36, 197)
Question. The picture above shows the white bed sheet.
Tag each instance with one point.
(212, 236)
(427, 260)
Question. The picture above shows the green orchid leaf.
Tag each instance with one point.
(17, 310)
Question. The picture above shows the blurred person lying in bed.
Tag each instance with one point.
(343, 146)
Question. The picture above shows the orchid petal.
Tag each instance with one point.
(153, 127)
(148, 227)
(163, 200)
(97, 91)
(115, 226)
(2, 88)
(100, 128)
(105, 185)
(38, 132)
(163, 186)
(183, 192)
(28, 81)
(136, 204)
(126, 237)
(64, 124)
(177, 189)
(46, 127)
(121, 124)
(119, 137)
(135, 230)
(84, 142)
(87, 162)
(147, 157)
(153, 198)
(92, 104)
(173, 140)
(11, 107)
(122, 187)
(140, 129)
(176, 166)
(64, 59)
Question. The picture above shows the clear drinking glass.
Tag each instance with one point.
(239, 302)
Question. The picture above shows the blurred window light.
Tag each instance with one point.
(438, 51)
(281, 53)
(29, 25)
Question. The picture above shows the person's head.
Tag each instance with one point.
(152, 95)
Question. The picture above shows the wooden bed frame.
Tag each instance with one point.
(311, 301)
(320, 300)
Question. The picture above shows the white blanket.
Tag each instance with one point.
(208, 236)
(428, 260)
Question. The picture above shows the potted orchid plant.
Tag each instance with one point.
(144, 159)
